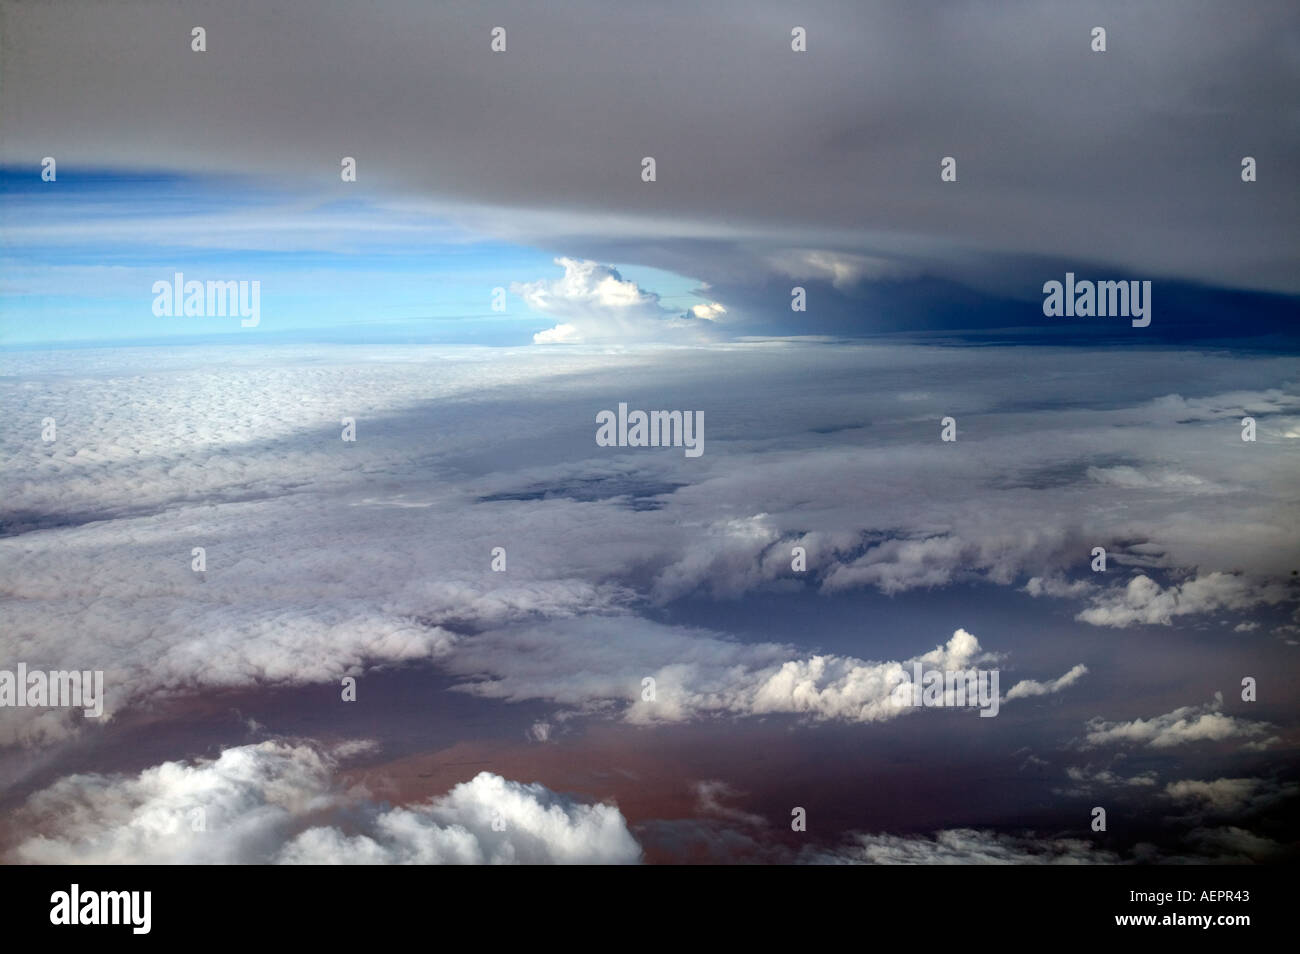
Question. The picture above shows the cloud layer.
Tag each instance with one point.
(1055, 143)
(325, 558)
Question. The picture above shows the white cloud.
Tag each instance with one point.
(597, 304)
(563, 333)
(600, 664)
(708, 311)
(1184, 725)
(1030, 687)
(1144, 601)
(273, 803)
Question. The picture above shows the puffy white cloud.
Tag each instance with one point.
(250, 798)
(1144, 601)
(487, 820)
(563, 333)
(597, 304)
(1184, 725)
(709, 311)
(279, 803)
(601, 663)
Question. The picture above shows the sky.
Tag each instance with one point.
(438, 619)
(77, 261)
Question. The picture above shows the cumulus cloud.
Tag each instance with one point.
(1031, 687)
(600, 664)
(597, 304)
(1144, 601)
(1182, 726)
(709, 311)
(279, 803)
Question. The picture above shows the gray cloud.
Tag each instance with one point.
(1085, 779)
(326, 558)
(786, 162)
(1185, 724)
(600, 664)
(965, 846)
(1143, 600)
(1230, 796)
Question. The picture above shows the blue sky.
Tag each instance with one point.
(81, 255)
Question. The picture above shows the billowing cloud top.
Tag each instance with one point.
(279, 803)
(596, 304)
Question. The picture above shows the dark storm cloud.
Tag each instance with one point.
(1127, 158)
